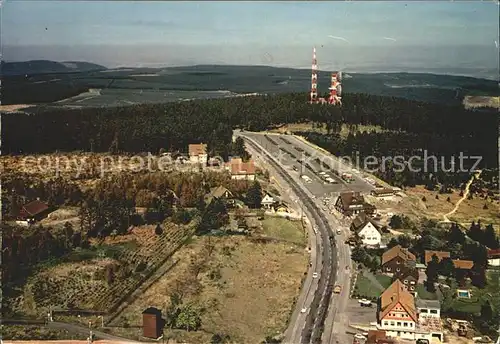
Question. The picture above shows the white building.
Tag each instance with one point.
(198, 153)
(267, 201)
(367, 229)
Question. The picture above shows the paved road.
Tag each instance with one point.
(280, 146)
(325, 321)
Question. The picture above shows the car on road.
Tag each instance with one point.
(303, 310)
(315, 275)
(337, 289)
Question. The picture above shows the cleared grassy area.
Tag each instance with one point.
(364, 288)
(282, 228)
(320, 128)
(384, 280)
(247, 289)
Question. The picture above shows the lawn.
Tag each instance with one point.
(284, 229)
(479, 296)
(247, 289)
(365, 288)
(384, 280)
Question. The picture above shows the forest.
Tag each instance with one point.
(411, 127)
(108, 209)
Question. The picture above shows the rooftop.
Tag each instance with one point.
(196, 149)
(439, 254)
(424, 303)
(397, 251)
(396, 294)
(242, 168)
(34, 208)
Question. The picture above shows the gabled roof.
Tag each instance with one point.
(396, 293)
(196, 149)
(219, 191)
(397, 251)
(351, 198)
(361, 221)
(242, 168)
(463, 264)
(34, 208)
(494, 254)
(439, 254)
(268, 198)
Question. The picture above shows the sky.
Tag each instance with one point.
(350, 35)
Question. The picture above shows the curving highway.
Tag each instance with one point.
(317, 312)
(291, 157)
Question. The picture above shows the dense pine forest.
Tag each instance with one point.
(411, 127)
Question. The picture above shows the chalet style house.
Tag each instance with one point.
(32, 212)
(198, 153)
(221, 193)
(397, 312)
(394, 259)
(267, 201)
(403, 316)
(407, 275)
(367, 229)
(353, 203)
(242, 170)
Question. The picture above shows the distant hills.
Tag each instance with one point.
(49, 81)
(46, 67)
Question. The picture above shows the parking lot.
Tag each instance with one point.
(359, 315)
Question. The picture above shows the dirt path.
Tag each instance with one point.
(466, 193)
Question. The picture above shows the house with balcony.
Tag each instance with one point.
(408, 275)
(352, 203)
(397, 314)
(397, 258)
(367, 229)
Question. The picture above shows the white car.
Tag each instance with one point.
(315, 275)
(303, 310)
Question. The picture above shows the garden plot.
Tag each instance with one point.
(99, 278)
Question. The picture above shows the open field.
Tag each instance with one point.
(97, 278)
(481, 101)
(281, 228)
(414, 207)
(247, 289)
(305, 127)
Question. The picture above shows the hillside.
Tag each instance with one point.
(35, 67)
(159, 85)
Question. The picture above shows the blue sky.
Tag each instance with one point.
(275, 33)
